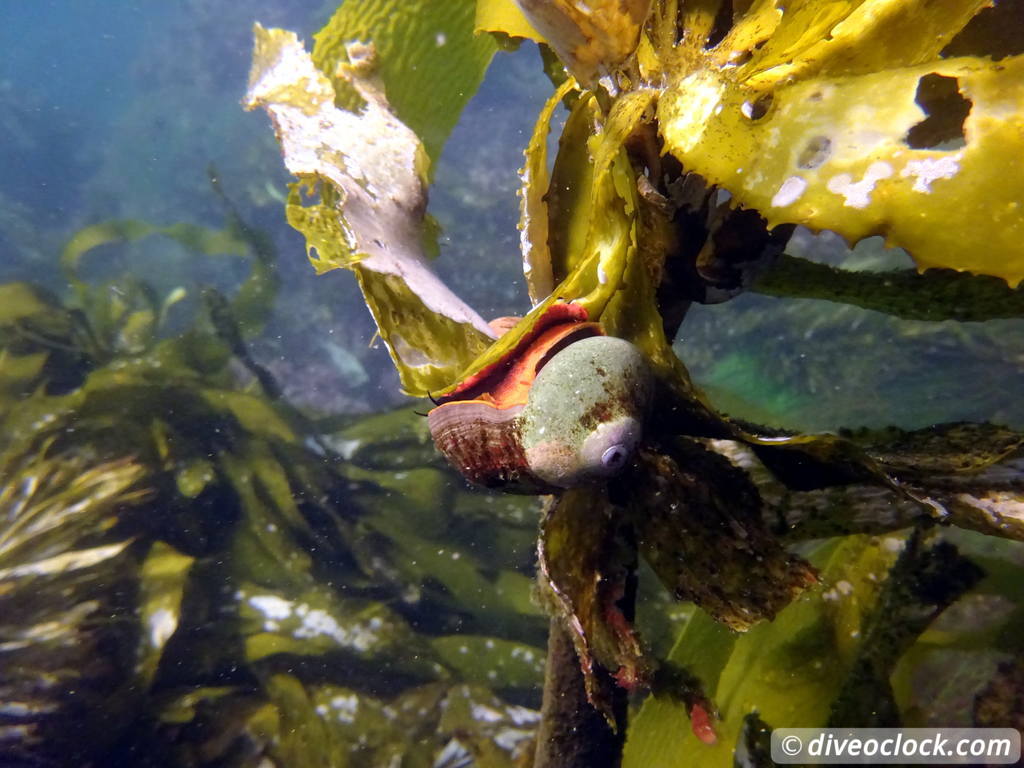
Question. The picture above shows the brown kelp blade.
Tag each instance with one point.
(699, 524)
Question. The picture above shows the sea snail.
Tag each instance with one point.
(566, 407)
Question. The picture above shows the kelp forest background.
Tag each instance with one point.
(226, 537)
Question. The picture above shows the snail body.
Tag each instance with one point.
(567, 408)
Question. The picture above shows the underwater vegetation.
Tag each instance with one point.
(204, 561)
(194, 572)
(830, 572)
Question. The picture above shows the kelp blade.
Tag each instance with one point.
(431, 62)
(504, 16)
(804, 665)
(825, 124)
(369, 171)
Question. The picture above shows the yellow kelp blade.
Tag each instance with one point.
(787, 670)
(533, 202)
(602, 258)
(570, 196)
(834, 154)
(827, 659)
(504, 16)
(591, 38)
(431, 62)
(816, 116)
(840, 38)
(594, 259)
(368, 169)
(589, 204)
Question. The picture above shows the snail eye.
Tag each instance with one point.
(615, 458)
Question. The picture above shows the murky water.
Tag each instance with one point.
(220, 544)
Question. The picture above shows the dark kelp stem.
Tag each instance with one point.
(572, 733)
(936, 295)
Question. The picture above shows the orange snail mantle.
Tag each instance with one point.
(565, 406)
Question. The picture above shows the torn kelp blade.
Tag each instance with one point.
(818, 116)
(699, 525)
(360, 203)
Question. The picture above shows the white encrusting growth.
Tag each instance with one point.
(305, 622)
(790, 191)
(345, 708)
(484, 714)
(931, 169)
(510, 738)
(704, 95)
(857, 194)
(525, 244)
(272, 606)
(161, 626)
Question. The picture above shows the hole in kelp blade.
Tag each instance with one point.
(946, 109)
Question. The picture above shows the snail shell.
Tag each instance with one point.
(582, 418)
(585, 411)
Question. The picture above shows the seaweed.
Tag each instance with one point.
(698, 137)
(191, 571)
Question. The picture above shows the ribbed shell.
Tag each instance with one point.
(484, 444)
